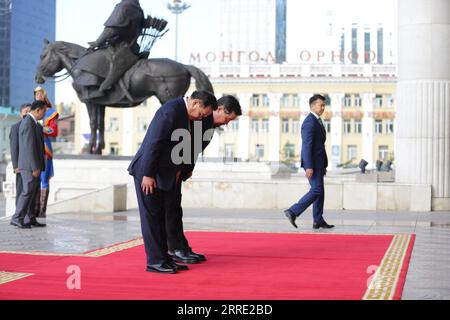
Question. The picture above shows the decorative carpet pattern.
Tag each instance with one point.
(240, 266)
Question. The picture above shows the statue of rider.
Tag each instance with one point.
(121, 33)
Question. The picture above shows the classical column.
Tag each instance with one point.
(274, 127)
(244, 127)
(336, 131)
(368, 129)
(423, 92)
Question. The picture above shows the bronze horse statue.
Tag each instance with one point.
(163, 78)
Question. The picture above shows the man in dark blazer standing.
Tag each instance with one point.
(30, 165)
(228, 110)
(315, 162)
(156, 169)
(14, 148)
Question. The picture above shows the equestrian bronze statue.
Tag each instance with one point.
(115, 70)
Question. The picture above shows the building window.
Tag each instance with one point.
(389, 126)
(285, 101)
(229, 151)
(296, 100)
(142, 124)
(378, 101)
(347, 100)
(235, 126)
(295, 126)
(367, 47)
(259, 151)
(347, 127)
(266, 100)
(327, 125)
(327, 100)
(289, 151)
(354, 54)
(358, 126)
(391, 101)
(265, 125)
(113, 125)
(255, 125)
(285, 126)
(378, 127)
(352, 153)
(255, 100)
(380, 51)
(358, 100)
(383, 152)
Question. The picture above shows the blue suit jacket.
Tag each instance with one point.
(154, 156)
(314, 136)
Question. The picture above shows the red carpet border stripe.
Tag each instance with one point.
(385, 283)
(6, 277)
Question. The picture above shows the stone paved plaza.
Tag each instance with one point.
(429, 271)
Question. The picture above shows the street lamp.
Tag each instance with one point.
(177, 8)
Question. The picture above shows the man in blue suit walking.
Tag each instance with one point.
(157, 169)
(315, 162)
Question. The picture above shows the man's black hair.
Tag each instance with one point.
(316, 97)
(38, 105)
(25, 105)
(206, 97)
(231, 104)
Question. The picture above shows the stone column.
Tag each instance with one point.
(423, 92)
(336, 131)
(244, 127)
(274, 127)
(368, 128)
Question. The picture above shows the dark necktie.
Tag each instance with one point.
(321, 123)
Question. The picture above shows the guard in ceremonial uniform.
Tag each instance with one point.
(50, 126)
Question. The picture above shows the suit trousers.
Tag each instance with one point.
(315, 196)
(19, 187)
(25, 204)
(176, 239)
(153, 226)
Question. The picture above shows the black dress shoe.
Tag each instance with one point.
(161, 268)
(199, 256)
(37, 224)
(178, 267)
(21, 225)
(291, 217)
(183, 256)
(322, 225)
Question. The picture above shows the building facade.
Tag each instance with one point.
(23, 27)
(359, 116)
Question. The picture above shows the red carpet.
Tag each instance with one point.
(240, 266)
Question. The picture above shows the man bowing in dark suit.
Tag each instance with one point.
(228, 110)
(315, 162)
(157, 170)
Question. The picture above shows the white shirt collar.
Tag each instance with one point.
(315, 115)
(34, 119)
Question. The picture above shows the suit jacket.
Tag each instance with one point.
(154, 156)
(314, 155)
(207, 124)
(31, 145)
(14, 144)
